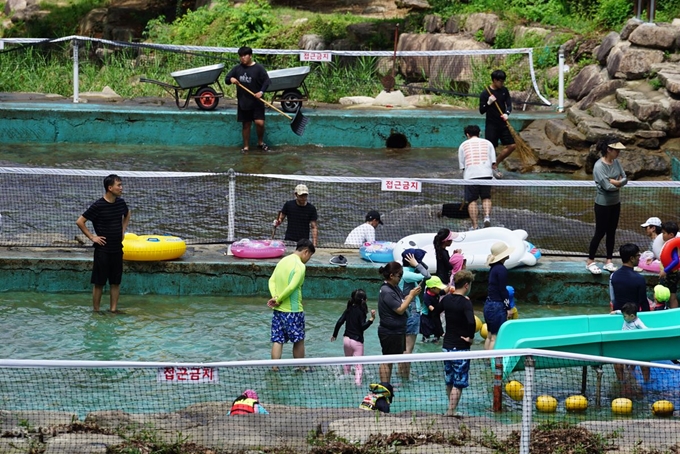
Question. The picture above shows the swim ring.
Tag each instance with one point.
(648, 263)
(669, 255)
(149, 248)
(258, 249)
(377, 251)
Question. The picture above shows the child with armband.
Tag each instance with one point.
(668, 274)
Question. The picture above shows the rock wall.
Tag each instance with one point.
(632, 92)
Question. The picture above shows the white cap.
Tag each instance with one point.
(652, 221)
(301, 189)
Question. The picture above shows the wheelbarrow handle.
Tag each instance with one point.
(264, 101)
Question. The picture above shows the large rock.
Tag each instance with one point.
(590, 77)
(414, 5)
(479, 21)
(82, 443)
(674, 119)
(655, 36)
(640, 163)
(364, 31)
(602, 51)
(600, 92)
(454, 68)
(646, 105)
(594, 128)
(451, 25)
(630, 27)
(617, 118)
(394, 98)
(312, 42)
(669, 75)
(521, 31)
(15, 420)
(627, 62)
(432, 23)
(92, 24)
(564, 133)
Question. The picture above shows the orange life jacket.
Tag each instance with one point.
(243, 406)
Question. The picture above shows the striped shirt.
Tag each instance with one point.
(107, 220)
(476, 156)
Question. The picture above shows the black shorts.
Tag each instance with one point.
(107, 266)
(246, 116)
(472, 193)
(392, 344)
(493, 133)
(671, 281)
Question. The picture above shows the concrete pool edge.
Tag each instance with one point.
(205, 270)
(133, 123)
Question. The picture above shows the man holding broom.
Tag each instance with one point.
(495, 102)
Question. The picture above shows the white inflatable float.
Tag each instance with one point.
(476, 247)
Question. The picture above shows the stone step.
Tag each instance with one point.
(647, 104)
(564, 132)
(669, 75)
(617, 118)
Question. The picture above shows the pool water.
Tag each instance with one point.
(207, 329)
(181, 328)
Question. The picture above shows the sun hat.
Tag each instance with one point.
(652, 221)
(250, 394)
(373, 216)
(499, 251)
(419, 254)
(661, 293)
(301, 189)
(435, 282)
(457, 261)
(617, 146)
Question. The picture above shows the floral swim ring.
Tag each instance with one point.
(258, 249)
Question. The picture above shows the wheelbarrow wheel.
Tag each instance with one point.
(287, 103)
(206, 98)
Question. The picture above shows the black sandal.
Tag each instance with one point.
(264, 147)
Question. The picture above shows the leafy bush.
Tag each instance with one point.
(614, 13)
(667, 10)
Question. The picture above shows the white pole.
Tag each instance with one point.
(527, 405)
(231, 205)
(651, 11)
(560, 87)
(76, 95)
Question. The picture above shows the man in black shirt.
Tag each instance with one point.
(460, 331)
(110, 217)
(254, 77)
(301, 216)
(493, 97)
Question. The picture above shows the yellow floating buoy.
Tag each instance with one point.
(622, 406)
(515, 390)
(663, 408)
(478, 324)
(483, 331)
(576, 403)
(546, 404)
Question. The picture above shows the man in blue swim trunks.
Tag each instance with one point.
(460, 330)
(285, 287)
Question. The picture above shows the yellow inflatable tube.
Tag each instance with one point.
(149, 248)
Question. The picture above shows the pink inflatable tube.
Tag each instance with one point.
(258, 249)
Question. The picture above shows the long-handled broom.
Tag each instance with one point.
(524, 151)
(298, 123)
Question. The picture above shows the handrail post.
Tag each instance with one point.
(527, 404)
(76, 87)
(231, 207)
(560, 86)
(498, 385)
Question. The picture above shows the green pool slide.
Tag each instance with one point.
(599, 335)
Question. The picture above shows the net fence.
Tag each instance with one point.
(567, 403)
(40, 206)
(90, 64)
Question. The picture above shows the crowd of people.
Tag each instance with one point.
(411, 301)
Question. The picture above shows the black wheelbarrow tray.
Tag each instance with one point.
(197, 82)
(286, 85)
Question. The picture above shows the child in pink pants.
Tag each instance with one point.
(354, 319)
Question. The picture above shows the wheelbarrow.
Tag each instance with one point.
(286, 85)
(197, 83)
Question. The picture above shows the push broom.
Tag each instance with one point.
(297, 124)
(525, 153)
